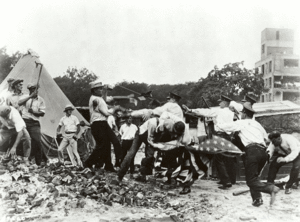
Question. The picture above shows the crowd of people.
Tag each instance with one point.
(164, 133)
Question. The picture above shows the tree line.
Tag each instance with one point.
(232, 80)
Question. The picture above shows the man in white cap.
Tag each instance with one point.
(34, 107)
(253, 137)
(101, 131)
(13, 126)
(71, 129)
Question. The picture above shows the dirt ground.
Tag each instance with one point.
(205, 203)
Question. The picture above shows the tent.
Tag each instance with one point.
(55, 100)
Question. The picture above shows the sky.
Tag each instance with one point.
(155, 42)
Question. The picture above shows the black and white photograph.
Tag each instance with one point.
(149, 111)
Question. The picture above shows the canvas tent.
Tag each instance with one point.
(55, 99)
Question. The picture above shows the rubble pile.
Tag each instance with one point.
(33, 190)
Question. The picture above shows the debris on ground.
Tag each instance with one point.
(33, 190)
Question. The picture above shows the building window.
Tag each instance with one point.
(270, 66)
(262, 98)
(270, 81)
(263, 49)
(263, 69)
(290, 63)
(270, 97)
(277, 35)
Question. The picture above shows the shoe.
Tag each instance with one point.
(257, 202)
(185, 190)
(288, 191)
(273, 194)
(225, 186)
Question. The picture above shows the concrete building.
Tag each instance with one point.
(279, 66)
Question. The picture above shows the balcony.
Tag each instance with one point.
(291, 87)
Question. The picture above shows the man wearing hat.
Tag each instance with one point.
(71, 129)
(34, 108)
(101, 131)
(171, 106)
(13, 99)
(249, 99)
(226, 166)
(253, 137)
(6, 94)
(12, 126)
(286, 149)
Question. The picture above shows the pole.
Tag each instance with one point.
(37, 84)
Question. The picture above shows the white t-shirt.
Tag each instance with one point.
(128, 132)
(70, 123)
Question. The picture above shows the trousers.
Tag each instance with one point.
(274, 167)
(102, 153)
(254, 161)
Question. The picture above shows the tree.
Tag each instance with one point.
(232, 80)
(75, 84)
(7, 62)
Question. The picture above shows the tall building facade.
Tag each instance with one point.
(279, 66)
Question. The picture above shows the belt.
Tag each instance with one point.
(258, 145)
(69, 132)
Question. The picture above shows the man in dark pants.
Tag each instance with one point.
(226, 166)
(253, 137)
(127, 132)
(286, 149)
(34, 109)
(100, 129)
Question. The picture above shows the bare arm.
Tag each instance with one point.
(13, 150)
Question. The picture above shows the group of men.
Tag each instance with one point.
(20, 125)
(166, 137)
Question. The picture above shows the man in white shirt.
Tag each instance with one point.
(127, 132)
(286, 149)
(12, 125)
(34, 107)
(71, 129)
(171, 106)
(226, 166)
(253, 137)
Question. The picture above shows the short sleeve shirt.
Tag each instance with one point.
(70, 123)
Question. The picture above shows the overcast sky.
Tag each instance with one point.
(143, 41)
